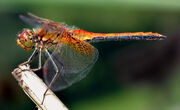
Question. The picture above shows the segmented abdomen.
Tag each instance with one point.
(98, 37)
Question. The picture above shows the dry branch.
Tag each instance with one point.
(34, 87)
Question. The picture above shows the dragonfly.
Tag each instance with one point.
(67, 49)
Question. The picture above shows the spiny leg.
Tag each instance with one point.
(40, 63)
(55, 76)
(34, 54)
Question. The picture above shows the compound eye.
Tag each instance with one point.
(25, 39)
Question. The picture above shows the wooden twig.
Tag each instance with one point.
(34, 87)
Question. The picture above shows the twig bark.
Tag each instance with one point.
(34, 87)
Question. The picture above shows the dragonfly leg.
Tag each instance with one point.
(55, 76)
(40, 63)
(34, 54)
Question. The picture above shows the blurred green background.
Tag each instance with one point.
(129, 75)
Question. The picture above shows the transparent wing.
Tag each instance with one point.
(34, 20)
(77, 60)
(42, 22)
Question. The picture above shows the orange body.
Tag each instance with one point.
(73, 56)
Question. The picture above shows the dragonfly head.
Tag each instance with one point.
(24, 39)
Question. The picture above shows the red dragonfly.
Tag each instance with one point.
(73, 55)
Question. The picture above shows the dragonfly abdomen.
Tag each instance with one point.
(98, 37)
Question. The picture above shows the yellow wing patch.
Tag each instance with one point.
(82, 47)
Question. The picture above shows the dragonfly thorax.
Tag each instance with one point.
(25, 39)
